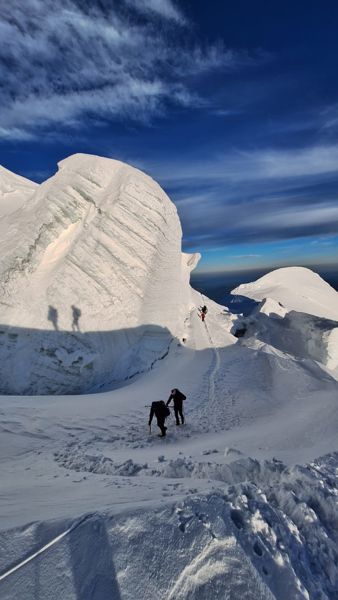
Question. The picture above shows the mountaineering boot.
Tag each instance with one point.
(163, 432)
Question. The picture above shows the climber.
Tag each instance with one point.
(203, 314)
(178, 398)
(161, 412)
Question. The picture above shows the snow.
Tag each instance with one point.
(14, 192)
(98, 286)
(297, 288)
(241, 502)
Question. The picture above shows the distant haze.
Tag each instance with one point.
(219, 285)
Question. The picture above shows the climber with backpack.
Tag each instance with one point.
(178, 398)
(161, 412)
(203, 313)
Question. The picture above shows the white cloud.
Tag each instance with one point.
(57, 67)
(244, 256)
(329, 118)
(290, 217)
(274, 164)
(164, 8)
(239, 166)
(261, 195)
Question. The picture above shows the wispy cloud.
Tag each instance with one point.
(166, 9)
(238, 256)
(86, 60)
(329, 116)
(256, 195)
(251, 165)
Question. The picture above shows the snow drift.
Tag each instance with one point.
(94, 283)
(279, 321)
(297, 288)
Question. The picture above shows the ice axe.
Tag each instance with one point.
(148, 406)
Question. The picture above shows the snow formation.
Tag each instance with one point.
(94, 284)
(241, 502)
(308, 333)
(14, 191)
(297, 288)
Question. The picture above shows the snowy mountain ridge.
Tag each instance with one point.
(98, 272)
(241, 500)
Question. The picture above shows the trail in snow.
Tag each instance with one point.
(253, 528)
(215, 410)
(222, 513)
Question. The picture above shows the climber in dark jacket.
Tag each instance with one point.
(203, 313)
(178, 398)
(160, 411)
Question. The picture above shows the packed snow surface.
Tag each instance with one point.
(240, 502)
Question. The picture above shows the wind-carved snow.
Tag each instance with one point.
(298, 314)
(14, 192)
(297, 288)
(94, 283)
(93, 505)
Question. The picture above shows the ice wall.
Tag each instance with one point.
(93, 282)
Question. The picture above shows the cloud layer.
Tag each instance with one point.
(254, 196)
(95, 60)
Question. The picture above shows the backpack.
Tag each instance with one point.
(164, 409)
(161, 409)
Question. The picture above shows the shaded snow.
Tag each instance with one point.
(206, 513)
(98, 286)
(241, 501)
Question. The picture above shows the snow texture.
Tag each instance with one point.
(241, 501)
(97, 287)
(297, 288)
(14, 192)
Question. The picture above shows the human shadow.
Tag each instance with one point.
(52, 316)
(58, 362)
(76, 314)
(59, 559)
(94, 576)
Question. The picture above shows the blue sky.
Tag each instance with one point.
(231, 106)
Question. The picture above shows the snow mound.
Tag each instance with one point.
(94, 283)
(271, 308)
(297, 288)
(14, 192)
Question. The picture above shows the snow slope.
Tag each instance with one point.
(241, 501)
(14, 192)
(97, 287)
(93, 507)
(297, 288)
